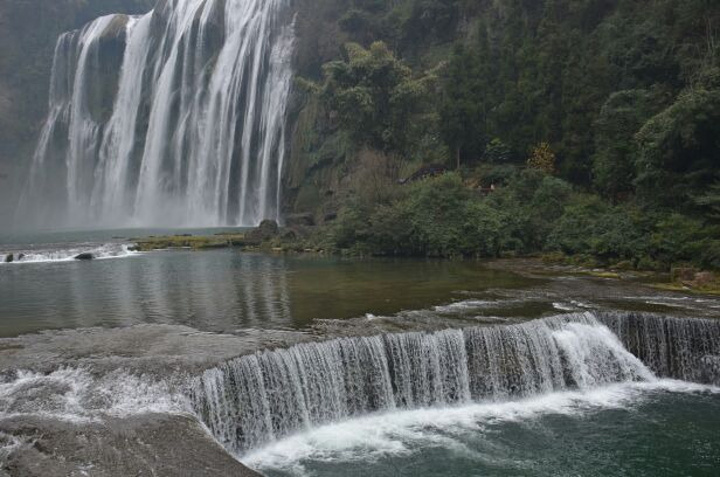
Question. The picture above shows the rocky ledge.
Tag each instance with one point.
(268, 236)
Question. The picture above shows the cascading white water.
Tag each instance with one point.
(680, 348)
(250, 401)
(174, 118)
(259, 398)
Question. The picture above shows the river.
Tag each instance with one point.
(305, 365)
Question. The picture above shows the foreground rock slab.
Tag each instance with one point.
(150, 445)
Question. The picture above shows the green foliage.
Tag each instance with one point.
(619, 98)
(495, 174)
(533, 201)
(678, 238)
(534, 212)
(437, 217)
(497, 152)
(679, 149)
(622, 115)
(441, 217)
(431, 19)
(709, 202)
(614, 234)
(462, 110)
(376, 97)
(437, 212)
(589, 226)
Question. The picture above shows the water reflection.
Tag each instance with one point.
(224, 290)
(215, 291)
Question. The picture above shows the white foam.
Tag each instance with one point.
(464, 305)
(75, 395)
(596, 356)
(664, 299)
(572, 305)
(99, 252)
(8, 444)
(398, 433)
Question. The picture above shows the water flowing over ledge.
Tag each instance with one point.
(68, 254)
(351, 399)
(369, 442)
(256, 399)
(174, 118)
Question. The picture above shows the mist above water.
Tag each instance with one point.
(175, 118)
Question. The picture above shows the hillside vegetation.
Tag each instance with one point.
(579, 128)
(587, 128)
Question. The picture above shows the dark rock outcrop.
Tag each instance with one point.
(106, 69)
(267, 230)
(10, 258)
(84, 256)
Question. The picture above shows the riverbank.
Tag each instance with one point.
(271, 238)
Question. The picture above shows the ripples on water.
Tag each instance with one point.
(651, 428)
(228, 290)
(219, 290)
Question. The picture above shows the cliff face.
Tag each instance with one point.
(320, 160)
(29, 30)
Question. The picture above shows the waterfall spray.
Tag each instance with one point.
(259, 398)
(175, 118)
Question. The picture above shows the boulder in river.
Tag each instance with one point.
(10, 258)
(267, 230)
(85, 256)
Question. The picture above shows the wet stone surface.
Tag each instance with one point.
(112, 401)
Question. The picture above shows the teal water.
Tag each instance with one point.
(666, 429)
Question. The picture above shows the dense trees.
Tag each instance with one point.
(376, 97)
(533, 213)
(616, 150)
(679, 149)
(552, 101)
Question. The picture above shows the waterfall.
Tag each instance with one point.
(255, 399)
(174, 118)
(678, 348)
